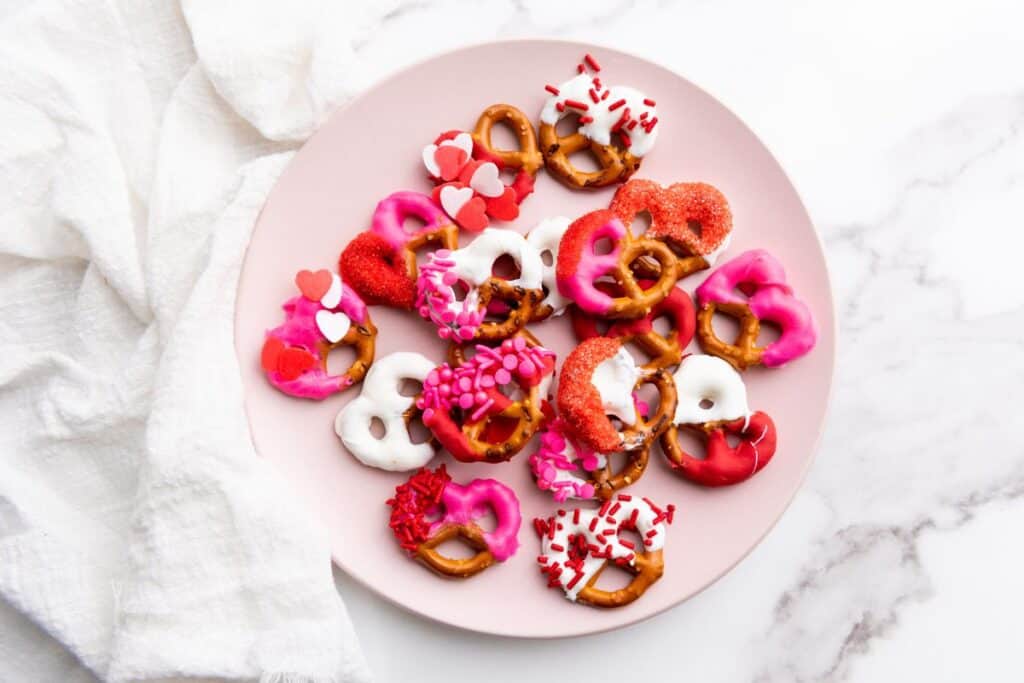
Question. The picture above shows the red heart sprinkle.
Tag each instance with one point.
(473, 215)
(313, 285)
(450, 160)
(272, 348)
(503, 208)
(294, 361)
(466, 174)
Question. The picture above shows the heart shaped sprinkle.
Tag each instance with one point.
(313, 285)
(473, 214)
(334, 326)
(333, 296)
(429, 162)
(450, 160)
(486, 181)
(453, 198)
(504, 208)
(293, 362)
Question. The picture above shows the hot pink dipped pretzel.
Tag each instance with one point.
(561, 465)
(380, 263)
(467, 409)
(581, 269)
(327, 314)
(759, 276)
(432, 494)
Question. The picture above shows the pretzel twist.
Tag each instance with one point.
(743, 351)
(722, 464)
(528, 157)
(613, 163)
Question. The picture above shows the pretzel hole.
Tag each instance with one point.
(340, 359)
(725, 326)
(412, 224)
(663, 325)
(584, 161)
(508, 175)
(639, 355)
(641, 222)
(617, 461)
(498, 430)
(377, 428)
(603, 246)
(631, 535)
(418, 432)
(487, 521)
(456, 549)
(769, 333)
(648, 400)
(706, 404)
(691, 443)
(506, 267)
(547, 258)
(568, 125)
(695, 227)
(613, 577)
(461, 290)
(512, 390)
(733, 440)
(503, 138)
(410, 387)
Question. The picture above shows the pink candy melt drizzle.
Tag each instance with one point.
(436, 302)
(465, 504)
(392, 211)
(580, 287)
(772, 300)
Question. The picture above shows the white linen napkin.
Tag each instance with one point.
(138, 528)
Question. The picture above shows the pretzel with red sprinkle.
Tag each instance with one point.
(577, 545)
(432, 494)
(380, 263)
(599, 379)
(694, 219)
(467, 407)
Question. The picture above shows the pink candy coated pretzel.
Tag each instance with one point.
(429, 494)
(760, 275)
(326, 315)
(392, 211)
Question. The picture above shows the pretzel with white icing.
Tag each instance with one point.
(382, 399)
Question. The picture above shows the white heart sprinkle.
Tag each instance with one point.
(428, 161)
(463, 141)
(485, 180)
(333, 326)
(454, 198)
(333, 296)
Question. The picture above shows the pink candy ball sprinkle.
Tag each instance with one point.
(466, 401)
(503, 376)
(449, 278)
(487, 381)
(466, 332)
(510, 362)
(465, 384)
(446, 374)
(527, 368)
(481, 397)
(519, 343)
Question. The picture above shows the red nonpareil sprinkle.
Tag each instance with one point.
(558, 547)
(580, 68)
(593, 96)
(609, 532)
(593, 524)
(615, 508)
(591, 62)
(576, 104)
(575, 580)
(649, 102)
(559, 526)
(632, 125)
(604, 508)
(615, 105)
(561, 513)
(576, 516)
(671, 512)
(660, 518)
(627, 544)
(551, 530)
(652, 532)
(633, 517)
(597, 82)
(586, 119)
(552, 89)
(560, 106)
(605, 95)
(643, 115)
(652, 505)
(543, 559)
(629, 558)
(625, 497)
(651, 124)
(648, 541)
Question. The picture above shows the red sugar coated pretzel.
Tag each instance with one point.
(663, 350)
(724, 465)
(692, 218)
(580, 404)
(379, 273)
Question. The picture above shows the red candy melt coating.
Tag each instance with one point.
(672, 208)
(724, 465)
(412, 502)
(677, 306)
(377, 272)
(579, 402)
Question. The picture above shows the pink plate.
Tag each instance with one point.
(372, 148)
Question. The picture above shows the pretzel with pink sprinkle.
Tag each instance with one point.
(467, 407)
(470, 269)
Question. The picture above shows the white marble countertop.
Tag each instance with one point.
(901, 125)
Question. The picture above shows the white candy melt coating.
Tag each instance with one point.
(475, 262)
(333, 296)
(615, 379)
(600, 129)
(381, 398)
(644, 524)
(545, 238)
(709, 377)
